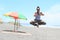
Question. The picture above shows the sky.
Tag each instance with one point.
(51, 9)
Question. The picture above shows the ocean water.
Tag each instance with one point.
(52, 26)
(29, 25)
(26, 24)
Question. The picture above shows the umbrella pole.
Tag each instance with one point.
(14, 25)
(17, 25)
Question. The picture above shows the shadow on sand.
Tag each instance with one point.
(14, 31)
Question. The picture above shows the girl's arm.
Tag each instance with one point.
(35, 14)
(41, 14)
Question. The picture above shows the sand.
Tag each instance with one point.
(32, 33)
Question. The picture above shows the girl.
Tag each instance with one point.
(37, 19)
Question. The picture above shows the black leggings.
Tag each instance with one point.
(37, 21)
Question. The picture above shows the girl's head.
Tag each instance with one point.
(38, 9)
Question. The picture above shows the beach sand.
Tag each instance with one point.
(32, 33)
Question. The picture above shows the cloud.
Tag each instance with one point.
(52, 15)
(55, 8)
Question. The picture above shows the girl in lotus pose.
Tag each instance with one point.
(37, 21)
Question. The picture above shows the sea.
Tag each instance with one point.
(51, 26)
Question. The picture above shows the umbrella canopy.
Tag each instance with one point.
(16, 15)
(21, 16)
(7, 14)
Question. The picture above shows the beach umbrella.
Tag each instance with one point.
(16, 16)
(1, 21)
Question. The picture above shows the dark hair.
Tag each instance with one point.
(38, 7)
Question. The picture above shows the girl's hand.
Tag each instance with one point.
(41, 14)
(35, 14)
